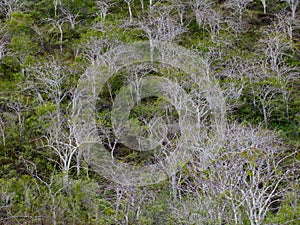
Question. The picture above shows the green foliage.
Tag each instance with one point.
(20, 23)
(45, 108)
(289, 210)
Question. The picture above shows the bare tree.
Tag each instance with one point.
(58, 24)
(238, 6)
(253, 171)
(142, 4)
(56, 4)
(269, 87)
(78, 134)
(181, 8)
(246, 176)
(293, 4)
(129, 200)
(52, 185)
(235, 19)
(2, 131)
(62, 134)
(159, 25)
(70, 17)
(207, 16)
(104, 6)
(2, 47)
(235, 71)
(264, 97)
(3, 41)
(18, 107)
(264, 3)
(151, 3)
(94, 48)
(61, 142)
(7, 7)
(275, 75)
(6, 196)
(129, 2)
(48, 80)
(8, 121)
(274, 46)
(285, 24)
